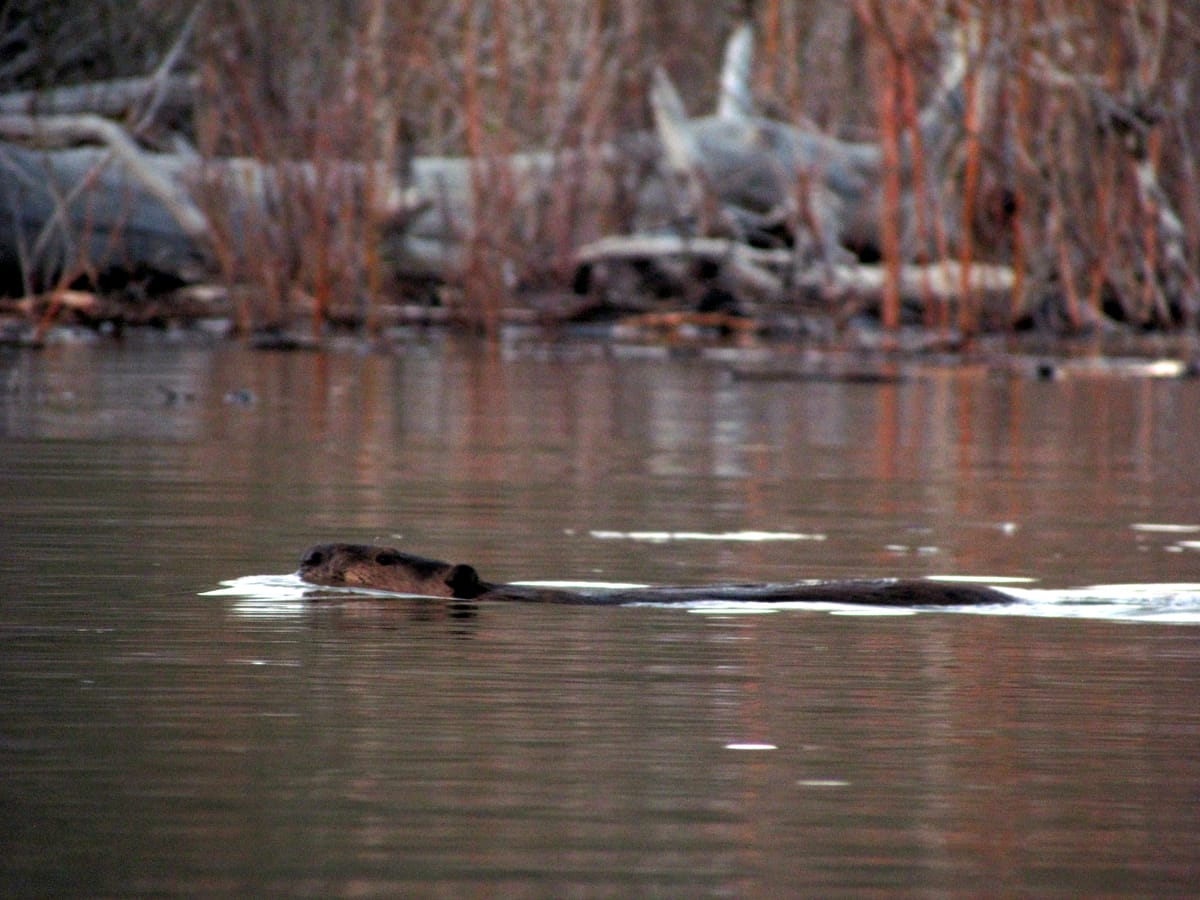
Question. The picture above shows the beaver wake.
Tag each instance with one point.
(322, 579)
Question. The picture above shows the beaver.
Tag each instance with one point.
(389, 569)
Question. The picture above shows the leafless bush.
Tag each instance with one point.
(1080, 171)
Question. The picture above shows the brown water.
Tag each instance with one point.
(159, 739)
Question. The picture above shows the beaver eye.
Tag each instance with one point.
(388, 559)
(315, 558)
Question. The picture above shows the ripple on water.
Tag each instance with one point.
(1177, 604)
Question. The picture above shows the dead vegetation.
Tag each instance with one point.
(964, 165)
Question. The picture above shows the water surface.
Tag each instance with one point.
(160, 739)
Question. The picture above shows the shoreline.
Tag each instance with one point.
(860, 353)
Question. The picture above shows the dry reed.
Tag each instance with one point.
(1080, 170)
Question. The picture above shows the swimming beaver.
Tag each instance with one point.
(388, 569)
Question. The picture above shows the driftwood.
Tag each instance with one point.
(747, 169)
(757, 274)
(759, 169)
(84, 209)
(759, 271)
(81, 209)
(113, 99)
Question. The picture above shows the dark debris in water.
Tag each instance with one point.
(241, 397)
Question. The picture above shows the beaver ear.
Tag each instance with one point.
(464, 581)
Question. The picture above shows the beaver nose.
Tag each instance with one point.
(313, 558)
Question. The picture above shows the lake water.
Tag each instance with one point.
(178, 717)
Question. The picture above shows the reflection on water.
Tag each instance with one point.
(287, 595)
(158, 739)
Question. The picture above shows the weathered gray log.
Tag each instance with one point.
(755, 271)
(114, 99)
(94, 208)
(762, 166)
(160, 180)
(747, 168)
(89, 209)
(79, 208)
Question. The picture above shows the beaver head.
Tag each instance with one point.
(388, 569)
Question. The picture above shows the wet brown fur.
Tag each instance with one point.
(388, 569)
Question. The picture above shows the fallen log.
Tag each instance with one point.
(113, 99)
(82, 209)
(158, 179)
(738, 172)
(756, 271)
(88, 209)
(759, 167)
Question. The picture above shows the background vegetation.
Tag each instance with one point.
(1080, 172)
